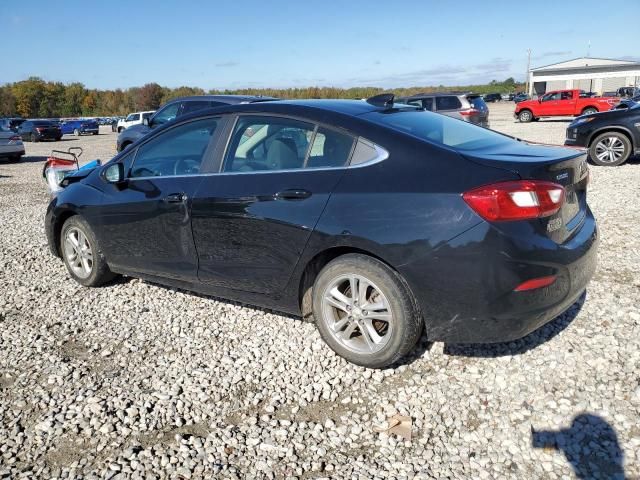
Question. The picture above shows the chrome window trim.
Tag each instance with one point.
(382, 154)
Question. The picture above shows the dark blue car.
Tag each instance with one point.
(379, 220)
(80, 127)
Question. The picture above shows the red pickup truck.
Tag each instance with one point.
(561, 103)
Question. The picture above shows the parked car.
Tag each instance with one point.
(11, 145)
(508, 97)
(466, 106)
(521, 97)
(628, 92)
(611, 137)
(492, 97)
(38, 130)
(135, 118)
(80, 127)
(568, 103)
(177, 108)
(389, 221)
(11, 123)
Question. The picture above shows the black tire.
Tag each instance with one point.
(589, 111)
(100, 273)
(95, 133)
(525, 116)
(407, 322)
(120, 129)
(58, 138)
(610, 139)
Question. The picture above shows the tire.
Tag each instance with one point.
(95, 133)
(15, 158)
(589, 111)
(610, 149)
(383, 287)
(58, 138)
(91, 270)
(525, 116)
(120, 129)
(76, 132)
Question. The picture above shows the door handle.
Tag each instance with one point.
(175, 198)
(293, 194)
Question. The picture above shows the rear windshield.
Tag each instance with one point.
(439, 129)
(42, 123)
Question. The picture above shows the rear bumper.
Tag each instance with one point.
(468, 294)
(11, 150)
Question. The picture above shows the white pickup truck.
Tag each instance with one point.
(133, 119)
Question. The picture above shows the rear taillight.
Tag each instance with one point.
(468, 112)
(517, 200)
(535, 283)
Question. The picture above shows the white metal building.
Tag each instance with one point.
(589, 74)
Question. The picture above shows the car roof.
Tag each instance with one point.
(440, 94)
(230, 99)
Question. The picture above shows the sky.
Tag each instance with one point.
(274, 43)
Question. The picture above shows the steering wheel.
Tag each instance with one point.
(186, 166)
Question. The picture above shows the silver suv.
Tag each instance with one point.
(466, 106)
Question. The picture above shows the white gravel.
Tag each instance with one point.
(134, 380)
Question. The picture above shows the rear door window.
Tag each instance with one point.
(261, 143)
(194, 106)
(448, 103)
(330, 149)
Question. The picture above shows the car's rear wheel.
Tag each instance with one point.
(81, 254)
(365, 311)
(589, 111)
(525, 116)
(610, 149)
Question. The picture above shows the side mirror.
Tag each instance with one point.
(145, 121)
(114, 173)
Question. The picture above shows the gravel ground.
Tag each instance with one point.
(134, 380)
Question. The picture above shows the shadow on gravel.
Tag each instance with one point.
(518, 347)
(590, 445)
(33, 159)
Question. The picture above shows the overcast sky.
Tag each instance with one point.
(273, 43)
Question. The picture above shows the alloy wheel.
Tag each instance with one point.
(357, 314)
(610, 149)
(78, 253)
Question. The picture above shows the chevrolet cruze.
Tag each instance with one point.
(380, 221)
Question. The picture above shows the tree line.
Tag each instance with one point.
(37, 98)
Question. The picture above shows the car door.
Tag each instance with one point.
(549, 104)
(566, 104)
(145, 224)
(252, 221)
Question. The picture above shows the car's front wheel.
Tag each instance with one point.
(365, 311)
(81, 254)
(610, 149)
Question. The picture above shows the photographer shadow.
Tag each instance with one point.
(590, 445)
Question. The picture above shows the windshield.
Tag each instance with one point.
(440, 129)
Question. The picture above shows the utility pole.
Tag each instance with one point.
(526, 82)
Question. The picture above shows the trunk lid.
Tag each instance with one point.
(564, 166)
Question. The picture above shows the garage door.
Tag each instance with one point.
(612, 84)
(585, 84)
(556, 85)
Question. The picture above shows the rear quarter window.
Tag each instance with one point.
(448, 103)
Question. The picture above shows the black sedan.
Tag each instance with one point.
(38, 130)
(380, 220)
(611, 137)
